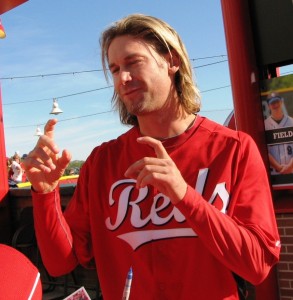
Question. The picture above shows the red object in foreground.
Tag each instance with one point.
(19, 278)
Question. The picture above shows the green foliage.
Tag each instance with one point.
(284, 82)
(74, 167)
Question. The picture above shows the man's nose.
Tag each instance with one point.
(125, 77)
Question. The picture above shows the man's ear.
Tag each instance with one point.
(174, 62)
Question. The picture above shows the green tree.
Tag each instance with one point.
(74, 166)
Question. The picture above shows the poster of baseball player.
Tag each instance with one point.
(277, 103)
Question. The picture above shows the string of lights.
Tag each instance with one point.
(63, 120)
(94, 90)
(99, 70)
(64, 96)
(88, 91)
(214, 63)
(98, 113)
(208, 57)
(104, 112)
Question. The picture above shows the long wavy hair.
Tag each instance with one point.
(164, 39)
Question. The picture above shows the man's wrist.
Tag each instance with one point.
(42, 191)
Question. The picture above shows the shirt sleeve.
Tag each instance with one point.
(77, 217)
(53, 234)
(246, 238)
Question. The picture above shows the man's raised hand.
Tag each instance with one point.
(43, 166)
(160, 172)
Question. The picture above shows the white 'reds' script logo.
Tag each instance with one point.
(137, 238)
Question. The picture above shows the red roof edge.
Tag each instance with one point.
(6, 5)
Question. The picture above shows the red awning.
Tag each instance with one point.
(6, 5)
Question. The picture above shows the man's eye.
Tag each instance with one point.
(114, 71)
(135, 62)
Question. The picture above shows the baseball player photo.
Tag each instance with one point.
(279, 133)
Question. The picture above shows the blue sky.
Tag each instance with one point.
(57, 37)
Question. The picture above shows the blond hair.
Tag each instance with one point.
(164, 39)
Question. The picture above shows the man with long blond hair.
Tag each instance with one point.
(180, 200)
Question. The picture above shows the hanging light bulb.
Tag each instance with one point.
(56, 109)
(38, 132)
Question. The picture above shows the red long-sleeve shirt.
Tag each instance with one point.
(224, 224)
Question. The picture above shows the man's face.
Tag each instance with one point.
(276, 105)
(142, 77)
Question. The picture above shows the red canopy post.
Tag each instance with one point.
(3, 163)
(243, 71)
(5, 5)
(244, 74)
